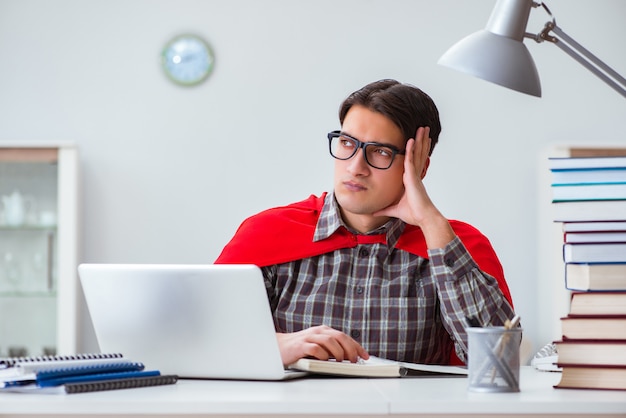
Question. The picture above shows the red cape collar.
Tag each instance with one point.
(284, 234)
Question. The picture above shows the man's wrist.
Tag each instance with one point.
(437, 232)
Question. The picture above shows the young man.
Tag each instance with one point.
(374, 267)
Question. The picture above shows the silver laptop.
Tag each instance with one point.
(195, 321)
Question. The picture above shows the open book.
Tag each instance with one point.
(376, 367)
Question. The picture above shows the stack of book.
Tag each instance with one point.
(76, 374)
(589, 199)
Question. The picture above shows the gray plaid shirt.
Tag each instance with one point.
(397, 305)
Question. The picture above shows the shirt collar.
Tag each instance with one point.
(330, 221)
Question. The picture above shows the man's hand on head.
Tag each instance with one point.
(415, 206)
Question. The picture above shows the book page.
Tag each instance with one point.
(428, 368)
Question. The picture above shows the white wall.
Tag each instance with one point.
(168, 173)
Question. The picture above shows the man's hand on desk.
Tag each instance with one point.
(320, 342)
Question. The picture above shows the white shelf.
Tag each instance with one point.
(42, 301)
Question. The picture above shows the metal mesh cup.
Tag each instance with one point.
(493, 359)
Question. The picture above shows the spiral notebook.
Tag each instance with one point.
(194, 321)
(87, 358)
(100, 385)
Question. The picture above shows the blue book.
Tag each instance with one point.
(62, 380)
(71, 372)
(89, 370)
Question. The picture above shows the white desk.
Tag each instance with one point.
(311, 397)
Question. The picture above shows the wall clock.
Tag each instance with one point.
(187, 60)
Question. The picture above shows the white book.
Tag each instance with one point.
(594, 253)
(28, 368)
(589, 210)
(595, 237)
(571, 163)
(594, 226)
(375, 367)
(606, 191)
(586, 176)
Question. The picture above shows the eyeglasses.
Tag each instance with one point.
(377, 155)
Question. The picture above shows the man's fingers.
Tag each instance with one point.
(335, 344)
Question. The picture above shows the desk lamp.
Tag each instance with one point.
(498, 54)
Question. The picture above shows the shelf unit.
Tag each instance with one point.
(38, 249)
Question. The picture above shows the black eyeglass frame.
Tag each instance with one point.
(362, 145)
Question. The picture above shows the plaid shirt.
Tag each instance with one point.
(397, 305)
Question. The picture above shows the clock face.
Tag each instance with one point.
(187, 60)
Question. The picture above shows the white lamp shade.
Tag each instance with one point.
(498, 59)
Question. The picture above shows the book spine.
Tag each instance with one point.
(120, 384)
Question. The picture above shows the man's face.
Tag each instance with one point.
(361, 189)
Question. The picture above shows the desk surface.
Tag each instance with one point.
(324, 396)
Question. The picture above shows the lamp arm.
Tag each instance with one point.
(582, 55)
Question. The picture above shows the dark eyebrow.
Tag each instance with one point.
(392, 146)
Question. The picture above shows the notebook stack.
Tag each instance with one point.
(589, 200)
(76, 374)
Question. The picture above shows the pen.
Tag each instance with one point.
(508, 324)
(16, 383)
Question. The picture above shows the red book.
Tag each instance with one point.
(592, 377)
(592, 352)
(594, 327)
(598, 303)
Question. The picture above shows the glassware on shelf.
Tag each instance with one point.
(47, 218)
(18, 209)
(11, 273)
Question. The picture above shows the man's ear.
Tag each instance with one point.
(425, 168)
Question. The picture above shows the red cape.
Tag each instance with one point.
(284, 234)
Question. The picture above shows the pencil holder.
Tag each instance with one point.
(493, 359)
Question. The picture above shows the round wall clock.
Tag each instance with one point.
(187, 60)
